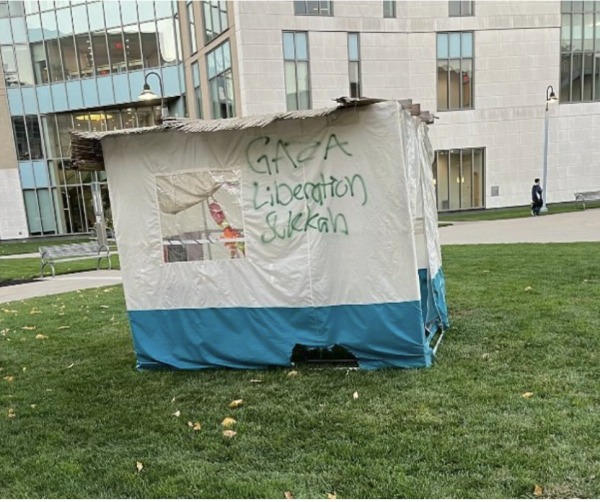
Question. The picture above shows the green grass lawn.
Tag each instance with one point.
(514, 212)
(458, 429)
(33, 246)
(29, 268)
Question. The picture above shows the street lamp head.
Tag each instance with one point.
(550, 96)
(147, 94)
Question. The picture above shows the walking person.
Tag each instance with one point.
(536, 198)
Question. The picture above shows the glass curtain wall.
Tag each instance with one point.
(220, 82)
(48, 42)
(580, 52)
(459, 178)
(455, 70)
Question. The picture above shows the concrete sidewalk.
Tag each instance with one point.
(20, 256)
(582, 226)
(60, 284)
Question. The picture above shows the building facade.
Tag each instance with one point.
(482, 67)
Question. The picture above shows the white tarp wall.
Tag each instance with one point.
(237, 245)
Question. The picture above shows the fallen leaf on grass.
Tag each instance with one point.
(527, 395)
(34, 311)
(41, 337)
(288, 495)
(29, 328)
(528, 288)
(108, 290)
(332, 495)
(6, 311)
(229, 434)
(9, 378)
(24, 369)
(538, 491)
(70, 366)
(355, 395)
(177, 414)
(197, 426)
(139, 466)
(64, 327)
(33, 406)
(292, 374)
(485, 357)
(228, 422)
(104, 306)
(255, 381)
(173, 400)
(11, 413)
(238, 403)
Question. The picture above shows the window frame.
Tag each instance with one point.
(460, 8)
(296, 61)
(192, 29)
(319, 12)
(209, 4)
(435, 171)
(218, 75)
(356, 61)
(568, 9)
(394, 6)
(448, 59)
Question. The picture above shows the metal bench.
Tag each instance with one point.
(583, 197)
(73, 252)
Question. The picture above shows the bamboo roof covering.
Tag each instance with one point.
(86, 147)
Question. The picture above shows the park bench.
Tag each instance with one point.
(73, 252)
(583, 197)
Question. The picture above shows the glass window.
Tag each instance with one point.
(458, 176)
(80, 19)
(354, 64)
(116, 50)
(51, 139)
(167, 42)
(34, 27)
(16, 8)
(20, 138)
(69, 57)
(49, 25)
(221, 82)
(65, 124)
(457, 9)
(580, 48)
(54, 61)
(31, 7)
(455, 70)
(112, 16)
(40, 63)
(5, 32)
(96, 15)
(86, 56)
(313, 8)
(24, 65)
(163, 9)
(197, 90)
(64, 22)
(19, 31)
(149, 45)
(146, 11)
(389, 9)
(146, 117)
(133, 48)
(129, 12)
(297, 74)
(100, 53)
(215, 19)
(9, 66)
(192, 27)
(34, 136)
(33, 212)
(3, 9)
(211, 229)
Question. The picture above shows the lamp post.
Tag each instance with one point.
(550, 98)
(148, 95)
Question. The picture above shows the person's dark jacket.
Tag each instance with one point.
(536, 193)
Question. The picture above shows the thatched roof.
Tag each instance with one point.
(86, 147)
